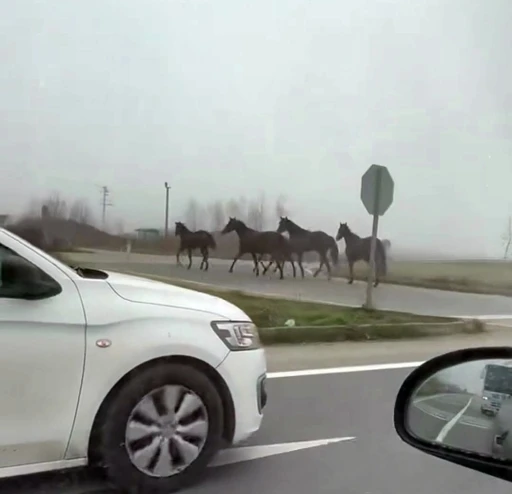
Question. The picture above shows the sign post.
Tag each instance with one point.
(377, 188)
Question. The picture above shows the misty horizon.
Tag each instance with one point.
(232, 99)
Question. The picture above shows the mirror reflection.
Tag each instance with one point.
(467, 406)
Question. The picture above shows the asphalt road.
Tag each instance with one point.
(454, 420)
(310, 408)
(390, 297)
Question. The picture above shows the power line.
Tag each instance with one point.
(166, 227)
(105, 202)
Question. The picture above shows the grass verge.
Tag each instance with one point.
(321, 323)
(485, 277)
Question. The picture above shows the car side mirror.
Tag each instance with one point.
(21, 279)
(457, 407)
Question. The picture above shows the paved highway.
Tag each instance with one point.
(390, 297)
(454, 420)
(353, 410)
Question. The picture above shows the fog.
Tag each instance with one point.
(234, 98)
(470, 375)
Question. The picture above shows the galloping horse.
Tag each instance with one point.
(190, 241)
(358, 249)
(259, 243)
(302, 241)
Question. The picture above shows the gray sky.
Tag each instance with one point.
(231, 97)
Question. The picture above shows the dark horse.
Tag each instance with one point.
(259, 243)
(190, 241)
(358, 249)
(302, 241)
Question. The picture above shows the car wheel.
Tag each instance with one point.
(162, 429)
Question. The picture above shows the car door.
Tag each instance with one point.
(42, 345)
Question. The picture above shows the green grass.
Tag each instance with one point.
(273, 312)
(316, 323)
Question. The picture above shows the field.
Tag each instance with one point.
(492, 277)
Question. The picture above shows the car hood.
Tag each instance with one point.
(145, 291)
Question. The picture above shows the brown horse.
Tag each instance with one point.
(190, 241)
(302, 241)
(358, 249)
(259, 243)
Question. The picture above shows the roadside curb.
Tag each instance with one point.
(366, 332)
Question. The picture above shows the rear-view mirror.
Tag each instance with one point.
(459, 407)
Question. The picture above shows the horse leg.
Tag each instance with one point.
(350, 272)
(178, 262)
(290, 260)
(189, 258)
(256, 264)
(326, 262)
(276, 267)
(238, 256)
(265, 268)
(280, 265)
(204, 262)
(322, 262)
(299, 261)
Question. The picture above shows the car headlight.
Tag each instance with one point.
(237, 335)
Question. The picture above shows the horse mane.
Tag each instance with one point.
(350, 232)
(184, 227)
(297, 227)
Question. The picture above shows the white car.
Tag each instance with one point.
(145, 379)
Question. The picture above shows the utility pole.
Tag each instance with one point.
(104, 203)
(167, 188)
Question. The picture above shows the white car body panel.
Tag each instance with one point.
(60, 376)
(39, 339)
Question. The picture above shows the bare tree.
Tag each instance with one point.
(202, 217)
(233, 209)
(217, 216)
(81, 212)
(192, 214)
(54, 206)
(243, 206)
(506, 237)
(280, 208)
(256, 214)
(119, 226)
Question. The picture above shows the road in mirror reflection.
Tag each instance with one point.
(467, 406)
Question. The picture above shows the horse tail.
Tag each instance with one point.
(381, 259)
(335, 252)
(211, 242)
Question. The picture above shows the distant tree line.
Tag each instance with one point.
(257, 213)
(55, 206)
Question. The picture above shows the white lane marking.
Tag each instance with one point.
(445, 416)
(343, 370)
(486, 317)
(448, 427)
(430, 397)
(247, 453)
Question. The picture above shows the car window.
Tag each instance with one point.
(6, 284)
(4, 253)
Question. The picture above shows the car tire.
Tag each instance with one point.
(114, 445)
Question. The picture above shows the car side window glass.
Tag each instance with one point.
(7, 284)
(4, 253)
